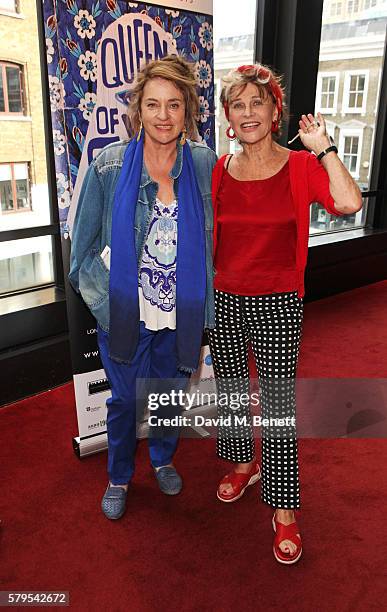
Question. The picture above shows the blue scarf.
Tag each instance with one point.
(190, 264)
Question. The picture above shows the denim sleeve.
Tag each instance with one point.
(87, 223)
(212, 159)
(204, 160)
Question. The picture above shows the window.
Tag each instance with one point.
(355, 92)
(327, 90)
(9, 6)
(233, 46)
(353, 6)
(336, 8)
(351, 152)
(14, 188)
(29, 237)
(26, 263)
(11, 96)
(350, 149)
(350, 62)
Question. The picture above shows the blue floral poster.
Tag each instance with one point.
(95, 49)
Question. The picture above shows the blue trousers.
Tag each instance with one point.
(156, 361)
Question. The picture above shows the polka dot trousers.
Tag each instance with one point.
(272, 325)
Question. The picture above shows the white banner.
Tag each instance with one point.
(198, 6)
(91, 393)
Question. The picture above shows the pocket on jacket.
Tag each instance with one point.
(94, 279)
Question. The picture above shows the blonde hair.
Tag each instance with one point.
(265, 79)
(181, 73)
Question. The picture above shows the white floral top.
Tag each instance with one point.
(157, 275)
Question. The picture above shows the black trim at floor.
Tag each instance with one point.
(32, 369)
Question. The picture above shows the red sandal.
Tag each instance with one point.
(239, 483)
(286, 532)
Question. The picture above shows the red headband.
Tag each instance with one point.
(274, 88)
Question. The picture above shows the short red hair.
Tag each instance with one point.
(261, 76)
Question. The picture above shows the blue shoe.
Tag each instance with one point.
(114, 502)
(169, 480)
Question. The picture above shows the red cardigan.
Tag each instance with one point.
(309, 183)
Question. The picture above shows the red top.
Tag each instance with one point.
(309, 182)
(257, 236)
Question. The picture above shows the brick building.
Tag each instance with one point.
(23, 171)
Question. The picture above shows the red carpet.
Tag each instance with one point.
(192, 552)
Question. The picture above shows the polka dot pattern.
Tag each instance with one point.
(272, 324)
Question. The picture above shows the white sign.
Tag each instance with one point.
(198, 6)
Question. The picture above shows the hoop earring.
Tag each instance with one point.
(228, 133)
(183, 138)
(274, 126)
(139, 131)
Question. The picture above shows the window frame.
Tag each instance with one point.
(353, 3)
(372, 145)
(217, 89)
(351, 132)
(378, 89)
(16, 11)
(52, 228)
(346, 109)
(338, 4)
(3, 66)
(326, 74)
(14, 189)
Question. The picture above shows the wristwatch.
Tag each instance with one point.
(328, 150)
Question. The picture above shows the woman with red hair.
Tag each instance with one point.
(262, 195)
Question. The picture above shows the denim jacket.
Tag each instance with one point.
(93, 223)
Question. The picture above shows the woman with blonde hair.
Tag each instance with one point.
(142, 232)
(262, 196)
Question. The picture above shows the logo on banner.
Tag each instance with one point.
(126, 45)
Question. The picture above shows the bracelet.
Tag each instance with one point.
(328, 150)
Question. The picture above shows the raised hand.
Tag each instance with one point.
(313, 133)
